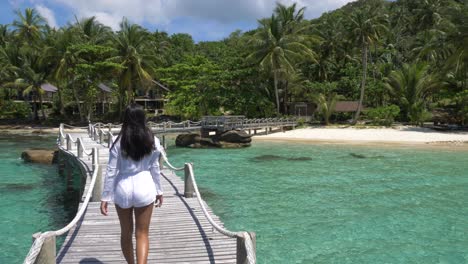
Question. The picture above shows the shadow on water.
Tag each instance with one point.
(16, 187)
(276, 157)
(207, 193)
(361, 156)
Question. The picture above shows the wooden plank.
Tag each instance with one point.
(179, 232)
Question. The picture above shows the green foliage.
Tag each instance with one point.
(411, 85)
(384, 115)
(10, 110)
(412, 54)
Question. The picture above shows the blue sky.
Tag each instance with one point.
(203, 19)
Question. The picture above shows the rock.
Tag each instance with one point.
(235, 136)
(42, 156)
(185, 140)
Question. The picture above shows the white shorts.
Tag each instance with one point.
(136, 190)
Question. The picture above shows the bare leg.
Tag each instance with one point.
(143, 220)
(126, 232)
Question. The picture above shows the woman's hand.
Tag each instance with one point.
(159, 200)
(104, 208)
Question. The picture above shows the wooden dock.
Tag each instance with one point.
(180, 231)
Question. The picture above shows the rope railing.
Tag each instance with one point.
(249, 247)
(47, 239)
(245, 237)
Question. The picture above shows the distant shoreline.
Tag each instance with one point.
(398, 136)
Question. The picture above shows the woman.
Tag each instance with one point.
(132, 181)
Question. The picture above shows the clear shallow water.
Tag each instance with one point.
(33, 197)
(347, 204)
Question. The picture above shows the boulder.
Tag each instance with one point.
(235, 136)
(185, 140)
(42, 156)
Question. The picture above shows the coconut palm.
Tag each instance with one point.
(412, 85)
(134, 54)
(33, 73)
(280, 43)
(366, 28)
(29, 26)
(326, 104)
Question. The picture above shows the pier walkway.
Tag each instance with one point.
(183, 230)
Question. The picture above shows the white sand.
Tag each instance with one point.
(403, 135)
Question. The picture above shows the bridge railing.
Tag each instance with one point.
(246, 251)
(43, 247)
(163, 126)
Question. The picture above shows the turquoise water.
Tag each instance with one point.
(307, 203)
(340, 204)
(33, 197)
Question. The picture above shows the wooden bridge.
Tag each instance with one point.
(183, 230)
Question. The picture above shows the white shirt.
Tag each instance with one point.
(119, 166)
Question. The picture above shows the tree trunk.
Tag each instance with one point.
(363, 82)
(36, 115)
(42, 106)
(275, 77)
(285, 98)
(77, 100)
(61, 106)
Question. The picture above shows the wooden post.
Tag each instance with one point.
(101, 136)
(69, 142)
(164, 141)
(95, 136)
(47, 253)
(241, 250)
(188, 190)
(97, 191)
(79, 148)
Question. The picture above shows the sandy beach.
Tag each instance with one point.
(397, 135)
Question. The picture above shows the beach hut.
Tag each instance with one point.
(346, 106)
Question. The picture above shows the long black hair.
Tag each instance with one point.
(136, 139)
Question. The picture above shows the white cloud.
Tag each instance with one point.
(47, 14)
(162, 12)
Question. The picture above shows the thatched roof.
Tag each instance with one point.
(346, 106)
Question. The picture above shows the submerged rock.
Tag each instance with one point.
(42, 156)
(267, 157)
(357, 156)
(300, 159)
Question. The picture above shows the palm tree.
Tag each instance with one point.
(91, 31)
(33, 73)
(280, 43)
(365, 27)
(326, 104)
(29, 26)
(411, 85)
(134, 54)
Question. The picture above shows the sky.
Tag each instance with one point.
(205, 20)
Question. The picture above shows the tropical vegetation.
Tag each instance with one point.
(401, 60)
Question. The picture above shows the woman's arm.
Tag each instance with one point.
(155, 169)
(111, 172)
